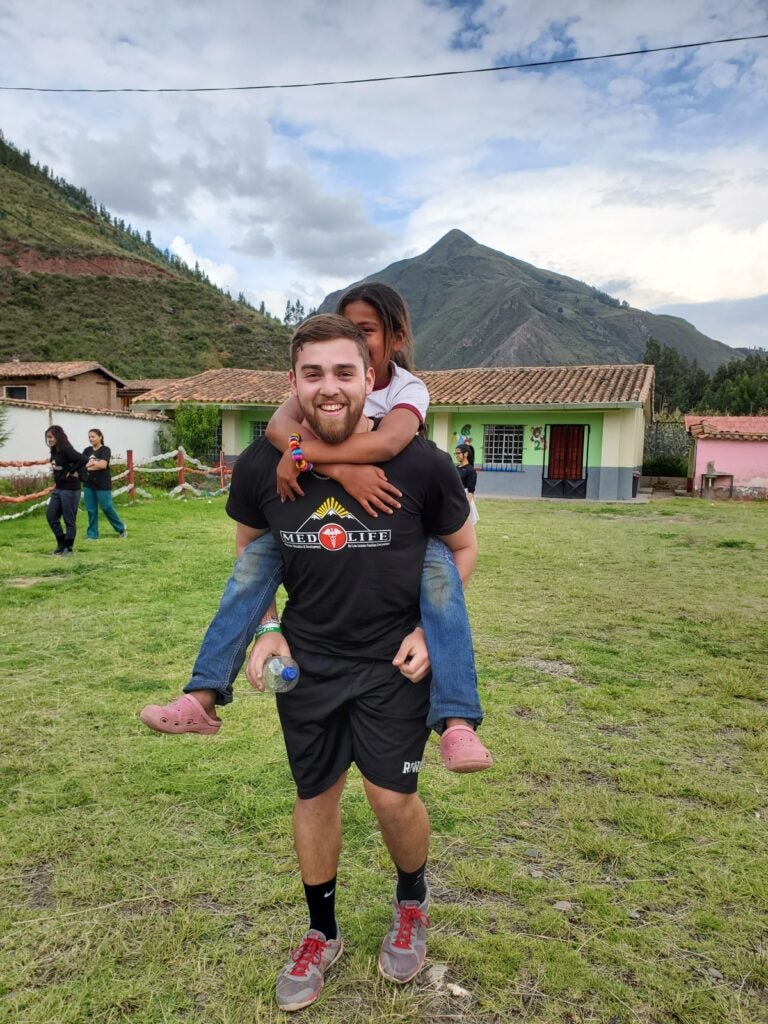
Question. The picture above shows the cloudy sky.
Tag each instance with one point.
(645, 176)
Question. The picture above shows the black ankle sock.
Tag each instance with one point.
(321, 900)
(411, 885)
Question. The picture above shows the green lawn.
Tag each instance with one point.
(612, 867)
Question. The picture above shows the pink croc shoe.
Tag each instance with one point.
(462, 751)
(182, 715)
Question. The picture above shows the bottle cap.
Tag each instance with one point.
(289, 673)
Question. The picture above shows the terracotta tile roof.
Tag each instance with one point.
(159, 416)
(16, 368)
(541, 385)
(728, 428)
(226, 387)
(506, 385)
(147, 384)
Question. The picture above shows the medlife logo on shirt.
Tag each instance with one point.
(332, 528)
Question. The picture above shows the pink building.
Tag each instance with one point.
(729, 456)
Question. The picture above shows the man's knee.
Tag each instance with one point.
(388, 805)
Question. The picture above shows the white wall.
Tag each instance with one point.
(27, 426)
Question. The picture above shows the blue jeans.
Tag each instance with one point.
(259, 571)
(453, 691)
(63, 505)
(95, 500)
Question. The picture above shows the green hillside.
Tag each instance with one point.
(76, 284)
(474, 306)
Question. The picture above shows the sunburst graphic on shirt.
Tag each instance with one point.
(332, 527)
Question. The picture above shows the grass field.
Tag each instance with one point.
(612, 867)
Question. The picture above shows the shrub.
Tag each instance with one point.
(665, 465)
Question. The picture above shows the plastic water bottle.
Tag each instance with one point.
(280, 675)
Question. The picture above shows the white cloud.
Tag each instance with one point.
(645, 169)
(222, 274)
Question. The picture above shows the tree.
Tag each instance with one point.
(294, 313)
(680, 384)
(195, 429)
(740, 387)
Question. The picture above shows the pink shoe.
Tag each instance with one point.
(462, 751)
(182, 715)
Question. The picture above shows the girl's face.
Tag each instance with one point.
(50, 440)
(369, 322)
(94, 438)
(461, 457)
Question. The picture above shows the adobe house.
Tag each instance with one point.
(83, 384)
(728, 456)
(538, 431)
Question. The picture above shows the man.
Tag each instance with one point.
(351, 622)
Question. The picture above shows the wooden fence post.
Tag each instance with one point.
(221, 469)
(131, 481)
(180, 461)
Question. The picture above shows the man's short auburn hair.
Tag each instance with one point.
(328, 327)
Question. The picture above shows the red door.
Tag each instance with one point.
(565, 476)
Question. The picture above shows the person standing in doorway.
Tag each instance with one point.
(97, 490)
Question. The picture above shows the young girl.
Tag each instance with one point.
(401, 399)
(66, 463)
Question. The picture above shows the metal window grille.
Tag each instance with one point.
(258, 428)
(502, 446)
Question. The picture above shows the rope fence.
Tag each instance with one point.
(184, 464)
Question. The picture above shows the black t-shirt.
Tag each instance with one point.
(66, 464)
(99, 479)
(352, 581)
(468, 475)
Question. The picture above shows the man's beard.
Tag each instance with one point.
(334, 430)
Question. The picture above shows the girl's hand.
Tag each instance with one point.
(265, 647)
(288, 478)
(369, 486)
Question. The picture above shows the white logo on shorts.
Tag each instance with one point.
(411, 767)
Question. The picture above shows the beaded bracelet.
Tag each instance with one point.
(294, 444)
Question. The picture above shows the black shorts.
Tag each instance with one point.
(353, 709)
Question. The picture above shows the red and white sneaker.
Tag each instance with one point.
(301, 981)
(404, 948)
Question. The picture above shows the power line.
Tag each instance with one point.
(392, 78)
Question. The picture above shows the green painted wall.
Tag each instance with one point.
(533, 455)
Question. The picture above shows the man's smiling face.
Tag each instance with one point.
(331, 384)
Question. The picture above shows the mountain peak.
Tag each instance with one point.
(453, 242)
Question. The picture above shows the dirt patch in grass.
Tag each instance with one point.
(561, 669)
(38, 881)
(23, 582)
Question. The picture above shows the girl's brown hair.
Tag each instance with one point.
(394, 316)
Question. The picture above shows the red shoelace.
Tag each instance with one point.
(308, 953)
(408, 919)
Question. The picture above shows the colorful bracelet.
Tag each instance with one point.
(294, 445)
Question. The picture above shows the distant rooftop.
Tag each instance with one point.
(728, 428)
(17, 368)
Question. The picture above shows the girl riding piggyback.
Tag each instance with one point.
(399, 401)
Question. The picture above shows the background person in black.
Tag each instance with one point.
(465, 463)
(351, 623)
(97, 489)
(66, 464)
